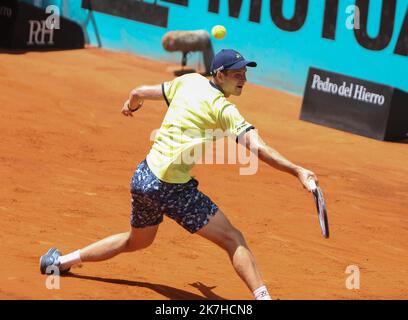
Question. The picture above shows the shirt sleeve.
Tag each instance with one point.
(169, 89)
(232, 121)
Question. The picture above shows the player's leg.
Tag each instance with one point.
(135, 239)
(145, 219)
(220, 231)
(197, 213)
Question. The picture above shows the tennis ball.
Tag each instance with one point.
(219, 32)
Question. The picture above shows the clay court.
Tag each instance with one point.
(67, 155)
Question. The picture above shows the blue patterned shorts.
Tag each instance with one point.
(182, 202)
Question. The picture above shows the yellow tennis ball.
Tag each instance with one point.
(219, 32)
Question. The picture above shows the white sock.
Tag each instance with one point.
(69, 259)
(262, 294)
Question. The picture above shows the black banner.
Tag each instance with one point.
(150, 13)
(8, 16)
(29, 27)
(354, 105)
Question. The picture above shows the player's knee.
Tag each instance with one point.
(238, 237)
(233, 238)
(134, 244)
(137, 245)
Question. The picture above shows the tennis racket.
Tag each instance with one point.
(321, 208)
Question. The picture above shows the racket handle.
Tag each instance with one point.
(312, 184)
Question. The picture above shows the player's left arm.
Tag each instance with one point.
(138, 95)
(255, 144)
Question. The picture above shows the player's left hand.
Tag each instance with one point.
(126, 109)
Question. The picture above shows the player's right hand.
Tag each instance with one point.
(305, 176)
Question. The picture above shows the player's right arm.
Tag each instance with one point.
(138, 95)
(255, 144)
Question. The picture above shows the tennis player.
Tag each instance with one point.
(162, 184)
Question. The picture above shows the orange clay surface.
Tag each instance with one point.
(67, 156)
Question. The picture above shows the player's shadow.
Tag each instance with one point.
(169, 292)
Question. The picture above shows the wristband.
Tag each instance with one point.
(138, 107)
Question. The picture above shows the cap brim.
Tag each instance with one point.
(241, 64)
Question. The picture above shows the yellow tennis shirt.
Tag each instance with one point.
(196, 109)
